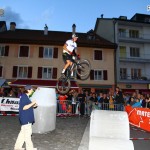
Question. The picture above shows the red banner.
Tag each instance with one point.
(139, 117)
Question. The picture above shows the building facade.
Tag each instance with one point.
(132, 58)
(35, 57)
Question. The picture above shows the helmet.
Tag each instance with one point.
(74, 36)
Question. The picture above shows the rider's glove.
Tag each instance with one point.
(78, 56)
(73, 57)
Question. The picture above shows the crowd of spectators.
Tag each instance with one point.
(106, 101)
(85, 101)
(11, 92)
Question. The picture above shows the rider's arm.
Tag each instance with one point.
(65, 48)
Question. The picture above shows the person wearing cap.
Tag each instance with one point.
(26, 118)
(69, 48)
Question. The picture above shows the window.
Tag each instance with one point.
(24, 51)
(1, 71)
(122, 32)
(97, 55)
(98, 75)
(22, 72)
(48, 52)
(4, 50)
(134, 52)
(135, 73)
(133, 33)
(123, 73)
(122, 51)
(46, 73)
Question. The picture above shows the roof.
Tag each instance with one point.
(37, 83)
(26, 36)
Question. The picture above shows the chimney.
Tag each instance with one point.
(12, 26)
(73, 29)
(3, 26)
(46, 30)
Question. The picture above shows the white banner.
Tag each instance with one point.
(9, 104)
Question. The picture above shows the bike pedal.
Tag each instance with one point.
(63, 75)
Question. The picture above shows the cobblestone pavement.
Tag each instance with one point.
(66, 136)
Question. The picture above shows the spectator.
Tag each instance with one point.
(104, 102)
(132, 101)
(100, 95)
(82, 99)
(1, 92)
(11, 94)
(119, 99)
(94, 101)
(62, 103)
(137, 103)
(74, 101)
(90, 103)
(143, 101)
(26, 117)
(148, 102)
(111, 101)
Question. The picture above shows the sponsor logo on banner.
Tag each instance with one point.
(9, 104)
(139, 117)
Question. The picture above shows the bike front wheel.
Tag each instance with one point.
(63, 85)
(83, 68)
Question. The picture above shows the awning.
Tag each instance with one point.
(37, 83)
(2, 81)
(95, 86)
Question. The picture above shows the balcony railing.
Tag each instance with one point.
(139, 79)
(126, 35)
(140, 58)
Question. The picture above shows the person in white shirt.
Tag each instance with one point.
(69, 48)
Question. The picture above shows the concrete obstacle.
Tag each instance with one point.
(109, 130)
(45, 113)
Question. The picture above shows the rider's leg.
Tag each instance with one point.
(68, 63)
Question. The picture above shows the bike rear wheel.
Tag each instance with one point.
(83, 68)
(63, 85)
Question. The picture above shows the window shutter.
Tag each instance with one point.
(29, 72)
(105, 75)
(55, 54)
(24, 51)
(98, 55)
(1, 70)
(54, 76)
(92, 75)
(39, 75)
(6, 50)
(41, 49)
(15, 69)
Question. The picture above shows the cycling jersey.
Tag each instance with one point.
(71, 45)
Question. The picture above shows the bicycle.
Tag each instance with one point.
(82, 68)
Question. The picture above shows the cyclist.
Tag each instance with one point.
(69, 48)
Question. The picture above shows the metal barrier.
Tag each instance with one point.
(70, 108)
(108, 106)
(66, 107)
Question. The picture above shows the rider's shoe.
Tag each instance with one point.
(72, 74)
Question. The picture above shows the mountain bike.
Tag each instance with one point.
(80, 67)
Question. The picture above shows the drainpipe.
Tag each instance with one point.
(115, 53)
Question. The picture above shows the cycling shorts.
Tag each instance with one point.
(66, 56)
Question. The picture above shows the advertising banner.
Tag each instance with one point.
(139, 117)
(9, 104)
